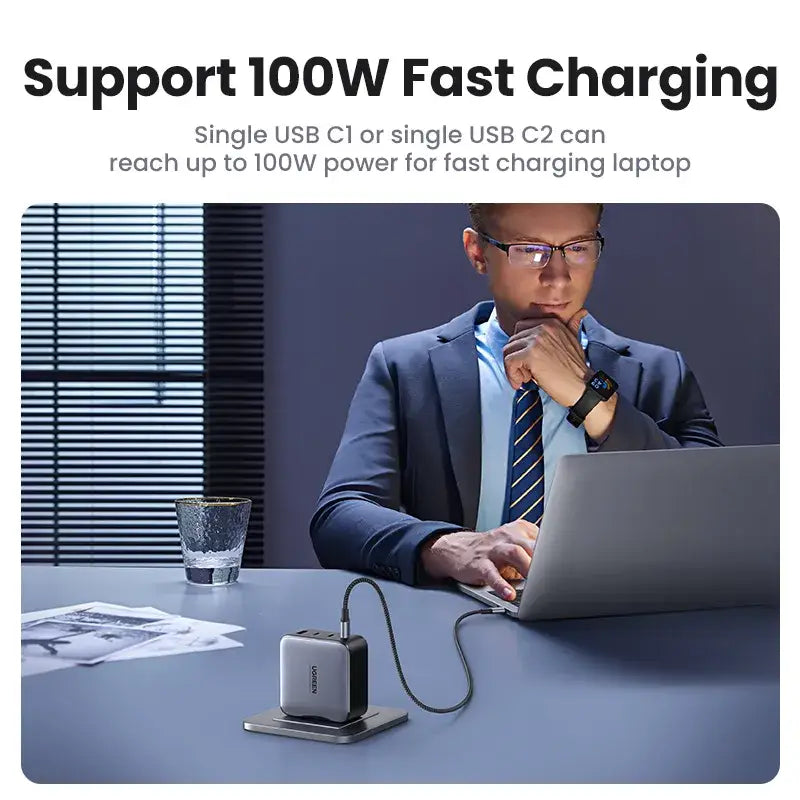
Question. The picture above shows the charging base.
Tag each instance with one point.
(374, 720)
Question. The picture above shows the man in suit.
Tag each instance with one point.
(453, 433)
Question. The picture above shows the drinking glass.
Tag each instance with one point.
(212, 531)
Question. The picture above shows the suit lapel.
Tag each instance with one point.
(624, 370)
(455, 369)
(609, 352)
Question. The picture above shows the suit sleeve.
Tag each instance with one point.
(358, 523)
(688, 424)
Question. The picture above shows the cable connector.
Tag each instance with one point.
(344, 625)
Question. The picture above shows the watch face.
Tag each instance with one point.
(603, 384)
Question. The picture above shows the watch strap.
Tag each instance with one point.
(591, 397)
(588, 400)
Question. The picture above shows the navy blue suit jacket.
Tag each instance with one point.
(409, 462)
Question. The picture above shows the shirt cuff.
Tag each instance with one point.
(593, 445)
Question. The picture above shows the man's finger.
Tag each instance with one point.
(575, 320)
(528, 323)
(525, 325)
(511, 554)
(520, 539)
(521, 532)
(524, 526)
(515, 346)
(510, 574)
(517, 371)
(494, 581)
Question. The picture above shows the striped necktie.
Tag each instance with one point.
(525, 495)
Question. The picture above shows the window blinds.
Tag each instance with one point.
(142, 380)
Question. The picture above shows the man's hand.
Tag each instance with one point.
(479, 558)
(548, 351)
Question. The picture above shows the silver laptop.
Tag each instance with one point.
(656, 530)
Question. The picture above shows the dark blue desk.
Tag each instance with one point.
(689, 697)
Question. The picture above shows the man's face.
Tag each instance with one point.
(556, 290)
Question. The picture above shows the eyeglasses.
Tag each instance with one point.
(536, 255)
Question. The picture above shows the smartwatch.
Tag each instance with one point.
(598, 388)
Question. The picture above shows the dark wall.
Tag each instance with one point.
(702, 279)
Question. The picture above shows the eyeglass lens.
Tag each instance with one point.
(577, 254)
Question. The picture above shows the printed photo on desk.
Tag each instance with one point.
(567, 412)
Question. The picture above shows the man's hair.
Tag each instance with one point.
(480, 214)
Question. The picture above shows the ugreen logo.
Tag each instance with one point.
(313, 679)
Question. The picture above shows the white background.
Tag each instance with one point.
(55, 149)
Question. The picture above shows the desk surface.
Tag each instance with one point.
(689, 697)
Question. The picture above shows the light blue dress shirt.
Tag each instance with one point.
(497, 399)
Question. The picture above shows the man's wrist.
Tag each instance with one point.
(599, 420)
(580, 387)
(427, 558)
(592, 406)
